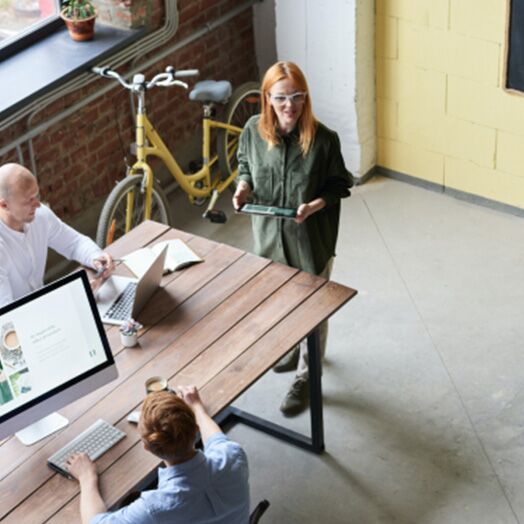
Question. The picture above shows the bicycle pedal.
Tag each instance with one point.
(217, 217)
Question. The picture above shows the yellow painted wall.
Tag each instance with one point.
(442, 113)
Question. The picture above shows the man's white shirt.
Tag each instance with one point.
(23, 255)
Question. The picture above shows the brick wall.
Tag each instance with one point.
(124, 13)
(442, 113)
(79, 159)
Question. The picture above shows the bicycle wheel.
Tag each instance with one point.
(244, 103)
(112, 221)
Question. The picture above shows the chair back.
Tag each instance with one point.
(258, 511)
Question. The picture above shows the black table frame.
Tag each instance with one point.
(315, 443)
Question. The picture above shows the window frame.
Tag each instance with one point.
(32, 34)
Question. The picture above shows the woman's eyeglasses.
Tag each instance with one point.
(294, 98)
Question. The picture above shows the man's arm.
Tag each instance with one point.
(6, 293)
(84, 470)
(208, 427)
(69, 242)
(75, 246)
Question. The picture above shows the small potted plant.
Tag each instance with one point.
(129, 333)
(79, 17)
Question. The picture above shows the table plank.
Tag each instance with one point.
(261, 356)
(252, 327)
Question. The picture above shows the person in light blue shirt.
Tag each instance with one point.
(195, 487)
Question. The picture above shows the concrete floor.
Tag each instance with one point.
(423, 382)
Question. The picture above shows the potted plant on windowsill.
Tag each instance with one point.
(79, 16)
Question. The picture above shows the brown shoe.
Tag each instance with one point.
(296, 399)
(288, 362)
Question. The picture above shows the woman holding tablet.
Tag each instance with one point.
(288, 159)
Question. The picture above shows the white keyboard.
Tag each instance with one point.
(94, 441)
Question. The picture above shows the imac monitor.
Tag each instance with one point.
(53, 350)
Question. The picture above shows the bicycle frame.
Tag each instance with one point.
(149, 143)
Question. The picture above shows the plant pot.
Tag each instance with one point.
(80, 30)
(129, 341)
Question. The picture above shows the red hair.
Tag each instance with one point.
(167, 425)
(267, 125)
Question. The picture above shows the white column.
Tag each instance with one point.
(332, 41)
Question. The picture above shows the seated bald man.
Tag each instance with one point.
(28, 229)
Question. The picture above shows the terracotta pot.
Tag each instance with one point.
(80, 30)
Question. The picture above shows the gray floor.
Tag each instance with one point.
(423, 382)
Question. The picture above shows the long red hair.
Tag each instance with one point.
(267, 125)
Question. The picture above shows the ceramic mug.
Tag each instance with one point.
(155, 384)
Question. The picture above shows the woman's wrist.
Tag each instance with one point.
(317, 204)
(243, 186)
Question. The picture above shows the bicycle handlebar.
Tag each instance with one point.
(184, 73)
(166, 79)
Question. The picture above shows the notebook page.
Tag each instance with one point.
(178, 255)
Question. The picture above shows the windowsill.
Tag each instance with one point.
(54, 60)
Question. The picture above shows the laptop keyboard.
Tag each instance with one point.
(123, 306)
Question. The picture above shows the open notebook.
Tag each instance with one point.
(178, 256)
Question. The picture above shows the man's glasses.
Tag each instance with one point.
(294, 98)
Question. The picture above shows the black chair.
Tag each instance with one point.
(258, 511)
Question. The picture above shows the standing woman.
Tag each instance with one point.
(289, 159)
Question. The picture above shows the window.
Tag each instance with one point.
(24, 21)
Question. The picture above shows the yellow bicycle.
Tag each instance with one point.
(139, 196)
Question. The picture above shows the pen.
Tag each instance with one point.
(100, 270)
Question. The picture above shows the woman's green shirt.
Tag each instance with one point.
(282, 176)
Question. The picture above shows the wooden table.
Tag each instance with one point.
(220, 325)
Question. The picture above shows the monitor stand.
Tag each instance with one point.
(41, 429)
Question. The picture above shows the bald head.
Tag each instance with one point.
(19, 198)
(14, 177)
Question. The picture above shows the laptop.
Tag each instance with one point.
(121, 298)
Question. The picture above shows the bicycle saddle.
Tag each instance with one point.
(211, 91)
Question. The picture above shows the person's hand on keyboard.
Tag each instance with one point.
(82, 468)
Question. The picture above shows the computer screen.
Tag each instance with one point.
(53, 350)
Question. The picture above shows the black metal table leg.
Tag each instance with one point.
(232, 415)
(315, 392)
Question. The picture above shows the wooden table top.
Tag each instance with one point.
(220, 325)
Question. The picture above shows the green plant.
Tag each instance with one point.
(78, 9)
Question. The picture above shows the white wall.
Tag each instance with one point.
(333, 43)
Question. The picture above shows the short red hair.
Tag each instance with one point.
(267, 125)
(167, 425)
